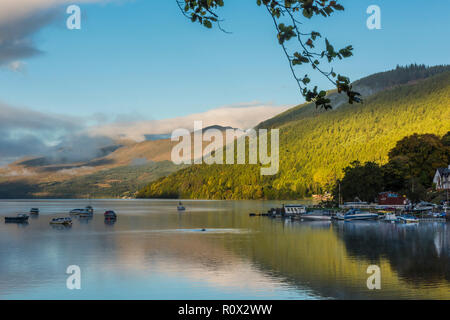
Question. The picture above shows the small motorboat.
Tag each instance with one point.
(390, 217)
(34, 211)
(61, 221)
(20, 218)
(109, 214)
(90, 209)
(408, 219)
(356, 214)
(180, 207)
(424, 206)
(317, 216)
(85, 211)
(439, 215)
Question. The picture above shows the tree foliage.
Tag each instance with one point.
(286, 15)
(410, 170)
(361, 181)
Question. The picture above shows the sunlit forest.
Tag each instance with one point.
(315, 146)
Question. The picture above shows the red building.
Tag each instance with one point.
(391, 199)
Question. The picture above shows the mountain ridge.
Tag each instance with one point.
(314, 148)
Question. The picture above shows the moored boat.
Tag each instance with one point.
(390, 217)
(61, 221)
(316, 216)
(293, 209)
(34, 211)
(180, 207)
(80, 212)
(424, 206)
(408, 219)
(109, 214)
(356, 214)
(20, 218)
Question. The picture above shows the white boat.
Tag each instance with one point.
(63, 221)
(424, 206)
(355, 214)
(317, 216)
(390, 217)
(408, 219)
(294, 209)
(314, 216)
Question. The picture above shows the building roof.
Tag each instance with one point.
(444, 172)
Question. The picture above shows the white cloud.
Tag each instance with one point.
(20, 20)
(242, 116)
(26, 132)
(13, 10)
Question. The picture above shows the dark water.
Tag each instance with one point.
(154, 252)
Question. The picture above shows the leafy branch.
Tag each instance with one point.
(285, 16)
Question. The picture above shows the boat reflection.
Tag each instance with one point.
(417, 252)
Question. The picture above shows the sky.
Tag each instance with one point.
(142, 60)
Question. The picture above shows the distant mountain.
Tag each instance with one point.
(120, 170)
(316, 145)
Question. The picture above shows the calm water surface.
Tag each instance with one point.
(154, 252)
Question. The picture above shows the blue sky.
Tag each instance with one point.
(143, 60)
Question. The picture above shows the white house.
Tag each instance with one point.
(442, 178)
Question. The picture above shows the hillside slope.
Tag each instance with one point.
(120, 173)
(315, 147)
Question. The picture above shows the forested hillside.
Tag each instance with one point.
(316, 146)
(108, 183)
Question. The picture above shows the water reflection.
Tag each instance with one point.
(154, 252)
(418, 253)
(110, 222)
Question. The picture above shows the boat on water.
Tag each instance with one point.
(34, 211)
(390, 217)
(294, 209)
(180, 207)
(61, 221)
(356, 214)
(110, 214)
(20, 218)
(86, 211)
(408, 219)
(317, 216)
(441, 215)
(424, 206)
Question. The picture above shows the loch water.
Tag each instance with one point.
(153, 251)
